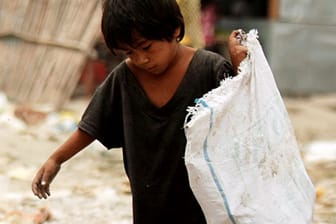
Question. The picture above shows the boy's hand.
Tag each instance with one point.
(237, 51)
(43, 178)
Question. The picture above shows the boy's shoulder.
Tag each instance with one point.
(203, 53)
(206, 61)
(118, 74)
(119, 70)
(208, 58)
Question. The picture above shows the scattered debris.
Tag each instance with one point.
(42, 215)
(20, 217)
(29, 115)
(318, 151)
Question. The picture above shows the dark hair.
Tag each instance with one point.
(151, 19)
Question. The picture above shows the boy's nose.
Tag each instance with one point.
(142, 59)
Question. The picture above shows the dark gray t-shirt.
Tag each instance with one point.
(121, 115)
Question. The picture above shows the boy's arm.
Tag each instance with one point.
(75, 143)
(237, 51)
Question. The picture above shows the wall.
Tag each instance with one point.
(300, 45)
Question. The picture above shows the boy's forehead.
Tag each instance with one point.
(137, 41)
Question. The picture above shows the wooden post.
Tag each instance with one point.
(273, 9)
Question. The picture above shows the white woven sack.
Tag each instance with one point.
(242, 157)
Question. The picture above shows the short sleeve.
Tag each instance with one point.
(102, 118)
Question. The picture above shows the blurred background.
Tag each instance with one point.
(52, 57)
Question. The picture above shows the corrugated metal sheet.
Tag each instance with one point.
(318, 12)
(303, 58)
(300, 45)
(303, 46)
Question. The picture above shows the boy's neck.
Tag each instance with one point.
(161, 88)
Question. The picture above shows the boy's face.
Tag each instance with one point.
(152, 56)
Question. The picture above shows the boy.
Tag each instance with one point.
(141, 107)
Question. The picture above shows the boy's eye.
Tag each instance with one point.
(128, 52)
(145, 48)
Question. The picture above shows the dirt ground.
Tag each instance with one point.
(92, 188)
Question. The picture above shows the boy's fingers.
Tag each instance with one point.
(36, 184)
(235, 33)
(40, 186)
(36, 190)
(43, 178)
(39, 192)
(42, 191)
(45, 184)
(46, 188)
(242, 49)
(239, 51)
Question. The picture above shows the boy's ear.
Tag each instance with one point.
(177, 32)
